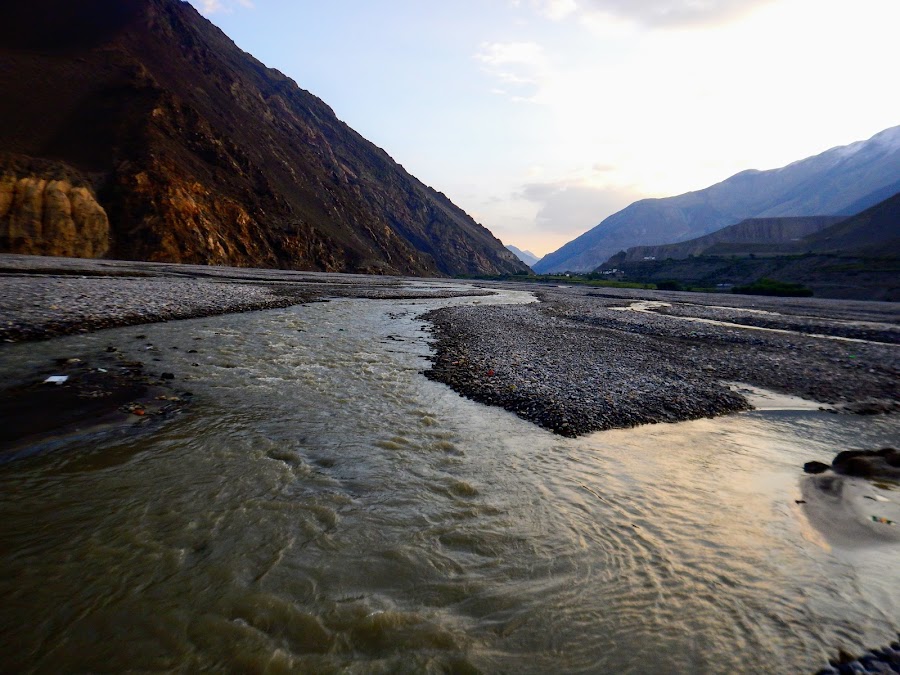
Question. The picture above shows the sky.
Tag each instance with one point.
(542, 117)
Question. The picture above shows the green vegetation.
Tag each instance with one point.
(669, 285)
(597, 279)
(771, 287)
(867, 265)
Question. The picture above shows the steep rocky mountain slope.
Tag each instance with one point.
(840, 181)
(748, 236)
(874, 233)
(136, 129)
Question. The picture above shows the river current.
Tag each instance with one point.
(323, 507)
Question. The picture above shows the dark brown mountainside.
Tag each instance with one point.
(874, 233)
(136, 129)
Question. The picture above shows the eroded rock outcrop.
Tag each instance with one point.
(51, 217)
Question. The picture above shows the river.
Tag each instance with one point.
(323, 507)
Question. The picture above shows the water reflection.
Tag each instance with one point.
(326, 507)
(853, 512)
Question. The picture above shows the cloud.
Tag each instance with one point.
(572, 206)
(674, 13)
(220, 6)
(519, 66)
(499, 54)
(556, 10)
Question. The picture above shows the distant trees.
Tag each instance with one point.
(765, 286)
(669, 285)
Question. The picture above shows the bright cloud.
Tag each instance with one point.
(519, 67)
(571, 207)
(542, 117)
(678, 110)
(500, 54)
(675, 12)
(557, 10)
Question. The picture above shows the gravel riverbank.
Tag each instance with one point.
(584, 360)
(42, 298)
(45, 297)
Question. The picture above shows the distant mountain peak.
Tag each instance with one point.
(526, 257)
(839, 181)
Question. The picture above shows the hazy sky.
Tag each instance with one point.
(542, 117)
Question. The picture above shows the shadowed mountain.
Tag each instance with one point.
(839, 181)
(857, 257)
(753, 235)
(874, 233)
(139, 127)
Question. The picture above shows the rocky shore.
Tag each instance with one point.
(584, 360)
(76, 397)
(568, 378)
(45, 297)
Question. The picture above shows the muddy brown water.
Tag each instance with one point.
(323, 507)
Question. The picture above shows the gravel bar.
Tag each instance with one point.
(43, 297)
(583, 360)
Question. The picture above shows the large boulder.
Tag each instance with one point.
(883, 463)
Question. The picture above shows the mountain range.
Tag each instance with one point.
(856, 257)
(136, 129)
(841, 181)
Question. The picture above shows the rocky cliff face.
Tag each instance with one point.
(51, 217)
(199, 153)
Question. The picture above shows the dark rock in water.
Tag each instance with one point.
(92, 397)
(884, 463)
(815, 467)
(885, 660)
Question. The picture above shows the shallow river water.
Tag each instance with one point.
(323, 507)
